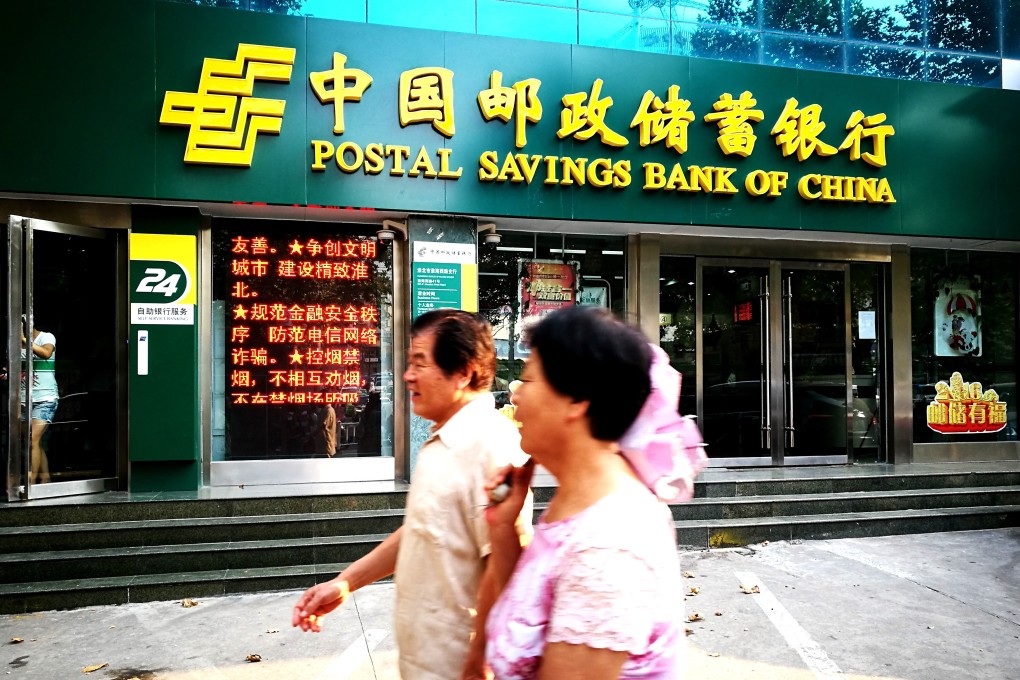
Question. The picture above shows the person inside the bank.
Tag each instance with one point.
(45, 397)
(598, 592)
(439, 556)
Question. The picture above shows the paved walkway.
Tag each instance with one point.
(923, 607)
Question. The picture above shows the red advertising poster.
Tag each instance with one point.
(546, 285)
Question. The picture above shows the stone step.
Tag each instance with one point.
(19, 598)
(62, 565)
(721, 533)
(855, 501)
(197, 530)
(792, 481)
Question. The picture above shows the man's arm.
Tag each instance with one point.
(323, 598)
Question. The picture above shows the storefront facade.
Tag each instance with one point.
(228, 221)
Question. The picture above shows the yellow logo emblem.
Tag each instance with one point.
(224, 119)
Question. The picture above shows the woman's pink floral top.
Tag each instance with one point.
(608, 577)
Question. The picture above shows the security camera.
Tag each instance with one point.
(493, 238)
(490, 233)
(386, 234)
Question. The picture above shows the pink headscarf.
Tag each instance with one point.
(664, 448)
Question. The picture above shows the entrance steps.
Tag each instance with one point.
(115, 548)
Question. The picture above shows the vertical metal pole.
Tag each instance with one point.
(14, 245)
(848, 363)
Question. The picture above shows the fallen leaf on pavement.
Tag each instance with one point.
(694, 591)
(15, 641)
(688, 631)
(253, 658)
(93, 669)
(272, 631)
(695, 617)
(688, 574)
(718, 613)
(713, 654)
(188, 602)
(748, 591)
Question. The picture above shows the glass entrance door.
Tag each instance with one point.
(773, 349)
(61, 389)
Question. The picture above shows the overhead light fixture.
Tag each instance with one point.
(514, 249)
(612, 252)
(489, 229)
(568, 251)
(390, 229)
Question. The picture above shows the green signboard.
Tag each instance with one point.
(260, 108)
(435, 286)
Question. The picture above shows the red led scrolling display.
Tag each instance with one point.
(287, 350)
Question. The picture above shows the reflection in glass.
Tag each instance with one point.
(677, 327)
(993, 277)
(576, 269)
(511, 19)
(625, 33)
(886, 21)
(884, 62)
(74, 286)
(1011, 29)
(731, 337)
(813, 17)
(960, 70)
(720, 42)
(866, 362)
(301, 324)
(963, 26)
(807, 53)
(736, 13)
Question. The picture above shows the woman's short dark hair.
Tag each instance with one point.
(461, 339)
(590, 355)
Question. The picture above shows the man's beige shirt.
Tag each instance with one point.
(445, 537)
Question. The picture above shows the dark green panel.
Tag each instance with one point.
(164, 412)
(165, 476)
(473, 62)
(1005, 169)
(73, 119)
(185, 37)
(374, 50)
(953, 138)
(627, 76)
(771, 88)
(873, 96)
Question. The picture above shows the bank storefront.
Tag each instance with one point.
(227, 221)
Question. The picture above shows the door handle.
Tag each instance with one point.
(764, 354)
(788, 358)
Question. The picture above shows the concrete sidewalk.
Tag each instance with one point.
(919, 607)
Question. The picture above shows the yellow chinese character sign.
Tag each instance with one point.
(223, 117)
(965, 408)
(426, 96)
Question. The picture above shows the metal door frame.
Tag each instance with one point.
(774, 341)
(20, 300)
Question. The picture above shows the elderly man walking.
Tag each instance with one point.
(438, 557)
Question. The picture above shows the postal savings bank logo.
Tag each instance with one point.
(222, 117)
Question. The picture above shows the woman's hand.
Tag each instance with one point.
(505, 513)
(318, 601)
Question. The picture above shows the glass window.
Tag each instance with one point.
(866, 312)
(721, 42)
(302, 337)
(624, 33)
(956, 68)
(886, 21)
(813, 17)
(885, 62)
(807, 53)
(964, 327)
(346, 10)
(527, 275)
(516, 20)
(738, 13)
(1011, 29)
(441, 15)
(965, 26)
(677, 327)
